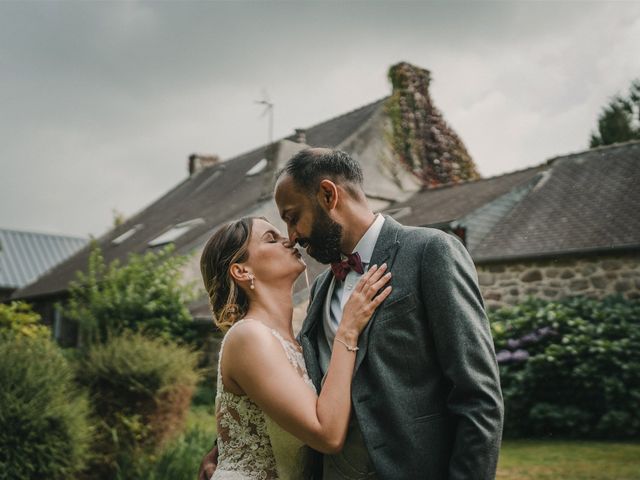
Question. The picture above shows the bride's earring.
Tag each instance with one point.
(252, 286)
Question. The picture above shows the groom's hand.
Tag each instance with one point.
(208, 464)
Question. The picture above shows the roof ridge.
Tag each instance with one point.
(478, 180)
(289, 137)
(348, 113)
(34, 232)
(594, 149)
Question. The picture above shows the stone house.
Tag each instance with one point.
(570, 226)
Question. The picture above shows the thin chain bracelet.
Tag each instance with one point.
(349, 347)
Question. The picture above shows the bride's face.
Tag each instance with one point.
(272, 256)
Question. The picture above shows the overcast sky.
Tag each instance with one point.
(101, 103)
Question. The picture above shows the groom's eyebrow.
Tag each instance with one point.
(285, 212)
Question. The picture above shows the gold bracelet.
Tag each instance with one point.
(349, 347)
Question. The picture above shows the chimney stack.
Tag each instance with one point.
(301, 135)
(199, 162)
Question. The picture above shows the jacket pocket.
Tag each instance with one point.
(430, 417)
(397, 307)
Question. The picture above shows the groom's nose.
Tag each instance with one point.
(293, 235)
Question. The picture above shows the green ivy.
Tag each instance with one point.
(420, 138)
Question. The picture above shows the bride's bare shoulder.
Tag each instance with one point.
(250, 333)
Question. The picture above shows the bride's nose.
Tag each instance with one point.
(288, 243)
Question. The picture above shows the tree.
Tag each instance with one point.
(145, 295)
(619, 121)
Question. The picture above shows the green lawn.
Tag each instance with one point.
(568, 460)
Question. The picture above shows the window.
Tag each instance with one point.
(175, 232)
(126, 235)
(258, 167)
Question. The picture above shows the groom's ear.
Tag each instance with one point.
(327, 194)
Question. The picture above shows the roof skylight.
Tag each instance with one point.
(128, 234)
(258, 167)
(175, 232)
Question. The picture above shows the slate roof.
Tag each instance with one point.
(588, 201)
(579, 203)
(26, 255)
(215, 195)
(446, 203)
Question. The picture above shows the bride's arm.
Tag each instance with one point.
(258, 365)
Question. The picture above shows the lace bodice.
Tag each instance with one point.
(250, 444)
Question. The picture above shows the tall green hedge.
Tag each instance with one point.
(570, 368)
(44, 427)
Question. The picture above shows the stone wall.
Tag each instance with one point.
(552, 279)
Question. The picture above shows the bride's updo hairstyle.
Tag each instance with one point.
(228, 245)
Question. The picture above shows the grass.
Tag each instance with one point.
(568, 460)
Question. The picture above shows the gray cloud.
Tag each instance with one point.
(102, 102)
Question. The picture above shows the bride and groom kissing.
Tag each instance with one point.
(393, 374)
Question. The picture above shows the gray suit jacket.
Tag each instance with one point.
(426, 389)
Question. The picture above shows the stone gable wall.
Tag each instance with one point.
(552, 279)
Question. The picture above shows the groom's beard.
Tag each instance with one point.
(325, 238)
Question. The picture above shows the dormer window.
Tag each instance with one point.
(175, 232)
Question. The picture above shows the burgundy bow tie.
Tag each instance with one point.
(342, 268)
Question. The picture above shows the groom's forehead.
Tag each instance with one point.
(287, 194)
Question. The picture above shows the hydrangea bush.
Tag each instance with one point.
(570, 368)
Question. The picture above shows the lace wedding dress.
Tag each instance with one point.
(250, 444)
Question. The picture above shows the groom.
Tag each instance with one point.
(426, 392)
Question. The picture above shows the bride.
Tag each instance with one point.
(267, 409)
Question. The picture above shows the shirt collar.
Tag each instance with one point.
(365, 246)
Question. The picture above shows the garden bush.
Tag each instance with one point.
(141, 389)
(147, 294)
(44, 427)
(179, 460)
(570, 368)
(18, 318)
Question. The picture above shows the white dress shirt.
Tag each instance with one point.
(340, 291)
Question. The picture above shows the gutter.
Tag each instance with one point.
(548, 255)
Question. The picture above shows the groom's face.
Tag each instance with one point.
(307, 222)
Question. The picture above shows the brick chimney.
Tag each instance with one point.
(199, 162)
(301, 135)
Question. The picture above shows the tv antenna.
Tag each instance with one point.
(268, 110)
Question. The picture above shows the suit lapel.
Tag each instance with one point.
(309, 331)
(384, 251)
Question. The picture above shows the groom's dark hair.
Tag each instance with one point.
(308, 167)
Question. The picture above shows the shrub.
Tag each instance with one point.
(141, 389)
(44, 428)
(180, 459)
(147, 294)
(570, 368)
(17, 318)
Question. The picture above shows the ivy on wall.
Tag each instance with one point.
(420, 138)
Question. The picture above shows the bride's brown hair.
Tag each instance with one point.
(228, 245)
